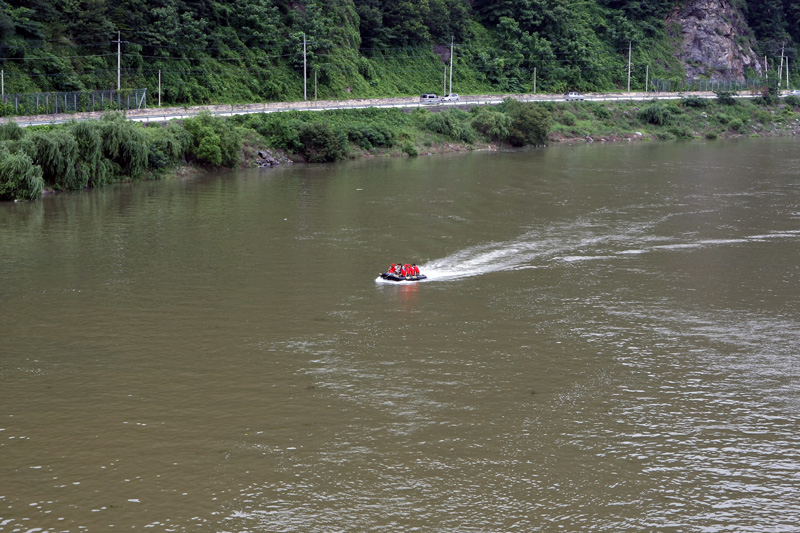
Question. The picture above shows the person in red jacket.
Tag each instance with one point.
(415, 268)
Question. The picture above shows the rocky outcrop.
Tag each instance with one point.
(716, 40)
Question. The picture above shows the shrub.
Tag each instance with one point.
(286, 135)
(681, 132)
(600, 111)
(763, 116)
(410, 149)
(208, 148)
(792, 101)
(279, 129)
(726, 97)
(737, 125)
(214, 140)
(491, 123)
(90, 166)
(655, 114)
(321, 143)
(124, 145)
(368, 136)
(168, 144)
(10, 131)
(20, 179)
(530, 123)
(452, 123)
(770, 95)
(711, 135)
(694, 101)
(56, 152)
(567, 119)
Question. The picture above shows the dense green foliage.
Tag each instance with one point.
(214, 141)
(215, 51)
(77, 155)
(453, 123)
(530, 123)
(726, 97)
(491, 123)
(657, 114)
(93, 153)
(676, 119)
(20, 179)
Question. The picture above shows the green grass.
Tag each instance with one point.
(90, 154)
(682, 121)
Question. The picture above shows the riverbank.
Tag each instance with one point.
(687, 118)
(92, 153)
(684, 119)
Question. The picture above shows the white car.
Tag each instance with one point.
(453, 97)
(429, 98)
(572, 95)
(795, 92)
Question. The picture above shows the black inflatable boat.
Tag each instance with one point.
(394, 277)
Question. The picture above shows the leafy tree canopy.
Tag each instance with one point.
(205, 51)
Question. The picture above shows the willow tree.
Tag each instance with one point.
(125, 145)
(56, 152)
(20, 178)
(90, 168)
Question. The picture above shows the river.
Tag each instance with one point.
(609, 340)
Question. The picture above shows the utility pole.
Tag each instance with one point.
(444, 81)
(159, 87)
(119, 60)
(647, 80)
(629, 66)
(305, 78)
(534, 80)
(766, 69)
(451, 65)
(780, 68)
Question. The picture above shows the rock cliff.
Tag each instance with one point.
(715, 40)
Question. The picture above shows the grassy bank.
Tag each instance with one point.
(79, 155)
(683, 119)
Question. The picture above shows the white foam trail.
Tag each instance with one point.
(483, 259)
(571, 243)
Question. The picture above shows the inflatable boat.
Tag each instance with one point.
(394, 277)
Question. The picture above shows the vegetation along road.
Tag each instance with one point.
(94, 149)
(176, 113)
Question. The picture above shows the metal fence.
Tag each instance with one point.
(72, 102)
(706, 85)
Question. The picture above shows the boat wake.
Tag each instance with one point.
(484, 259)
(541, 249)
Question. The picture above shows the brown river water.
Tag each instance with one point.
(609, 340)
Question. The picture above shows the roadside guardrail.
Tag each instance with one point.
(161, 115)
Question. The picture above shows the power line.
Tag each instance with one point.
(51, 58)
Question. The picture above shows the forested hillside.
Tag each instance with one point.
(213, 51)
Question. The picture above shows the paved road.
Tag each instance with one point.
(177, 113)
(465, 100)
